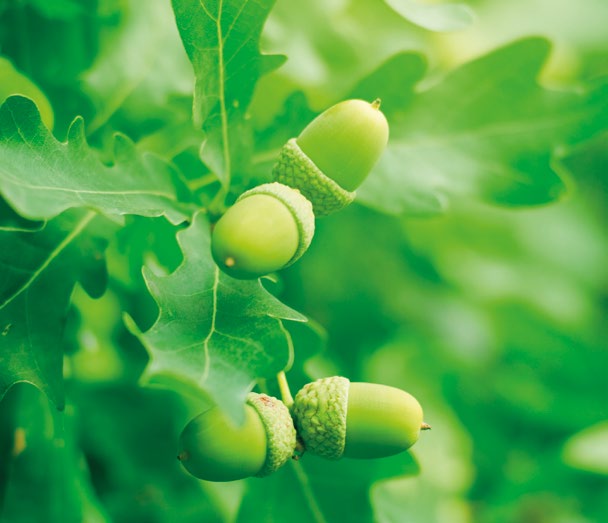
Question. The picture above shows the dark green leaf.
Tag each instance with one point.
(42, 463)
(39, 270)
(214, 334)
(11, 221)
(134, 464)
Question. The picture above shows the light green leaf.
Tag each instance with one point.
(214, 335)
(13, 82)
(588, 449)
(141, 55)
(39, 270)
(487, 131)
(435, 17)
(222, 42)
(41, 177)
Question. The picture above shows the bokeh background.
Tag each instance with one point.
(493, 317)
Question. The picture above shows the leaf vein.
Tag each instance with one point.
(216, 280)
(52, 256)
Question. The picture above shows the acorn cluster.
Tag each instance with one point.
(331, 418)
(268, 228)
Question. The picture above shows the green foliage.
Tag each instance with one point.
(487, 130)
(214, 332)
(441, 17)
(222, 41)
(73, 176)
(469, 272)
(38, 266)
(15, 83)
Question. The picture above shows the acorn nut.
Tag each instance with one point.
(268, 228)
(213, 448)
(336, 418)
(334, 153)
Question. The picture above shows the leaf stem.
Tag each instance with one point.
(203, 181)
(284, 389)
(307, 492)
(217, 206)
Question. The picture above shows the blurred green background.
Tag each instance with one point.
(493, 317)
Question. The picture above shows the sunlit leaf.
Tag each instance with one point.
(41, 177)
(588, 450)
(436, 17)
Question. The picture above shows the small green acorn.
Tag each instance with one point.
(334, 153)
(213, 448)
(336, 418)
(268, 228)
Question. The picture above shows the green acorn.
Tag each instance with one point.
(336, 418)
(213, 448)
(334, 153)
(268, 228)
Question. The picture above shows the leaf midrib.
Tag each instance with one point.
(51, 257)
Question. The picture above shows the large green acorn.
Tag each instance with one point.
(213, 448)
(268, 228)
(336, 418)
(334, 153)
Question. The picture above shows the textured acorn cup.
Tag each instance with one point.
(334, 153)
(213, 448)
(336, 418)
(268, 228)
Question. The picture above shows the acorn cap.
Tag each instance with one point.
(337, 418)
(319, 413)
(296, 169)
(298, 205)
(280, 431)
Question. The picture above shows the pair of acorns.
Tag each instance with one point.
(331, 418)
(270, 226)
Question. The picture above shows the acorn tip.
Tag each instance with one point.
(425, 426)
